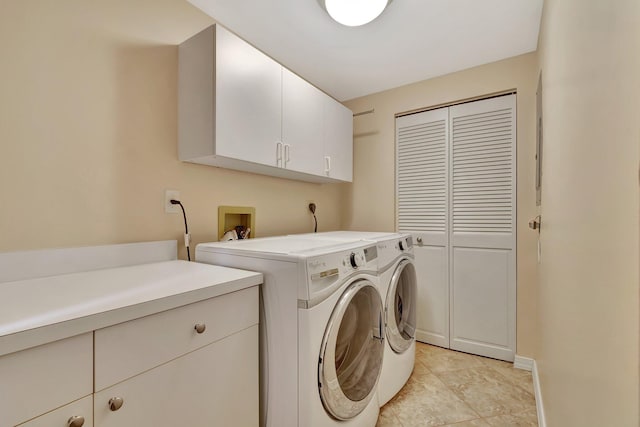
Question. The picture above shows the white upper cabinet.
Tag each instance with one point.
(248, 97)
(239, 109)
(338, 141)
(302, 124)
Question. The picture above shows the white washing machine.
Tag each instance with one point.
(322, 328)
(398, 287)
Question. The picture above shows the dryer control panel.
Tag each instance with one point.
(389, 250)
(405, 244)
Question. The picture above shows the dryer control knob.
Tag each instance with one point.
(401, 245)
(357, 260)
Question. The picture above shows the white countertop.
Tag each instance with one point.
(37, 311)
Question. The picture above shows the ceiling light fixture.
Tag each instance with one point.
(354, 13)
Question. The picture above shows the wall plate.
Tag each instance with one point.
(168, 196)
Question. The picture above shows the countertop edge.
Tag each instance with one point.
(23, 340)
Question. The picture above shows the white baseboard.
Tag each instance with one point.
(525, 363)
(538, 393)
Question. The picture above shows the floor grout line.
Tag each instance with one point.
(456, 362)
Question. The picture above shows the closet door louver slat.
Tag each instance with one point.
(422, 175)
(484, 141)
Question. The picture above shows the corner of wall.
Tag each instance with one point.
(542, 422)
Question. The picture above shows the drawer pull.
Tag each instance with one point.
(115, 403)
(75, 421)
(200, 328)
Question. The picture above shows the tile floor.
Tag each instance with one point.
(449, 388)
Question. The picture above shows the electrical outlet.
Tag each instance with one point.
(168, 196)
(309, 203)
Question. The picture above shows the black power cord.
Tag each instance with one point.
(312, 208)
(187, 237)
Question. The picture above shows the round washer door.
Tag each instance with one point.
(352, 350)
(400, 307)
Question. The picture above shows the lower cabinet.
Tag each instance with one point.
(76, 414)
(195, 365)
(46, 378)
(215, 385)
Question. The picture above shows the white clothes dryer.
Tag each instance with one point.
(322, 328)
(398, 288)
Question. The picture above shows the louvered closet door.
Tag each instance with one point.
(456, 194)
(482, 223)
(422, 199)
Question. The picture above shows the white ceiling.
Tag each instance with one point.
(412, 40)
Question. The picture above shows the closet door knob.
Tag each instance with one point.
(75, 421)
(115, 403)
(419, 240)
(200, 328)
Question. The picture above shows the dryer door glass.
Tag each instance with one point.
(351, 352)
(400, 309)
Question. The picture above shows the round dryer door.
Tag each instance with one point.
(351, 352)
(400, 307)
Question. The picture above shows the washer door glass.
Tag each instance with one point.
(351, 352)
(400, 309)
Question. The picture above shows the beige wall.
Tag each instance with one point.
(88, 146)
(370, 200)
(588, 297)
(88, 132)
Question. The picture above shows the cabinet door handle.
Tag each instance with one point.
(200, 327)
(327, 164)
(75, 421)
(115, 403)
(287, 149)
(279, 154)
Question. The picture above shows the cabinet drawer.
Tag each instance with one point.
(216, 385)
(60, 417)
(127, 349)
(40, 379)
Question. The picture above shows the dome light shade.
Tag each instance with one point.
(354, 13)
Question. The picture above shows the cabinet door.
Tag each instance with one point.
(61, 416)
(338, 141)
(302, 124)
(248, 112)
(216, 385)
(43, 378)
(127, 349)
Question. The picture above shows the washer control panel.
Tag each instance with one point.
(342, 263)
(356, 259)
(325, 271)
(371, 253)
